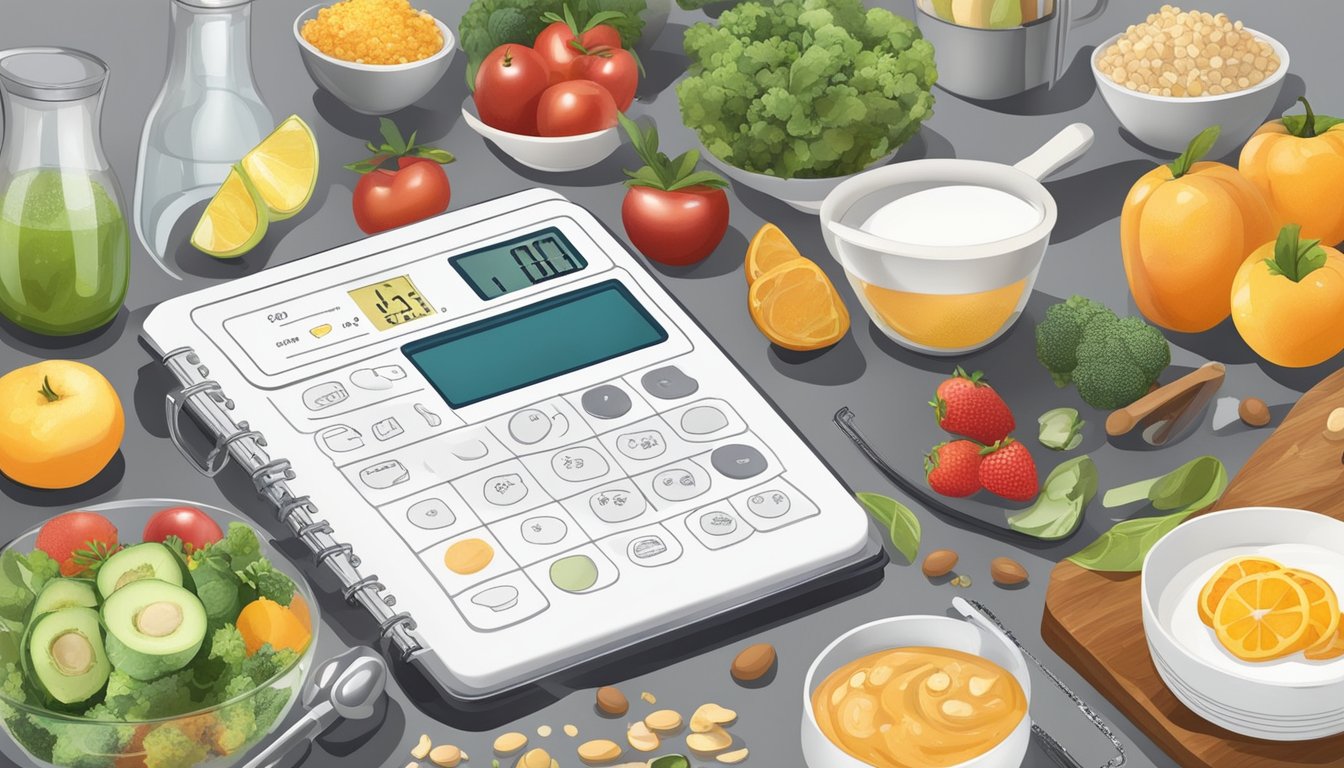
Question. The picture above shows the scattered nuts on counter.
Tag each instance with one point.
(1334, 425)
(421, 750)
(961, 581)
(710, 715)
(734, 757)
(571, 730)
(599, 751)
(710, 742)
(544, 731)
(1253, 412)
(641, 738)
(753, 662)
(663, 721)
(511, 742)
(610, 701)
(537, 758)
(939, 562)
(648, 698)
(1006, 571)
(446, 756)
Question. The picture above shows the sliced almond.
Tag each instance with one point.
(957, 708)
(980, 685)
(663, 720)
(880, 676)
(544, 731)
(648, 698)
(732, 758)
(641, 738)
(571, 730)
(511, 742)
(938, 682)
(599, 751)
(858, 679)
(709, 742)
(710, 715)
(446, 756)
(421, 750)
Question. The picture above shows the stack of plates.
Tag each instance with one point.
(1288, 699)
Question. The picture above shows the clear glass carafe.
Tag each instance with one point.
(65, 249)
(208, 115)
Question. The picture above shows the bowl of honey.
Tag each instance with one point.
(917, 692)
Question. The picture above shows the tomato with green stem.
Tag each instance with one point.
(192, 526)
(575, 107)
(78, 541)
(563, 40)
(509, 84)
(672, 213)
(615, 69)
(417, 189)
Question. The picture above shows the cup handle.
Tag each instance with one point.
(1091, 15)
(1066, 146)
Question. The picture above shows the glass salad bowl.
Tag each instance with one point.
(230, 695)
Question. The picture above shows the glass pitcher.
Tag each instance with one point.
(65, 249)
(207, 116)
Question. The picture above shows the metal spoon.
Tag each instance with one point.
(347, 686)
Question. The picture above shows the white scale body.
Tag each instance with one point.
(668, 489)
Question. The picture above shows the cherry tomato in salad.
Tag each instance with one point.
(78, 541)
(509, 85)
(416, 189)
(575, 107)
(676, 228)
(191, 525)
(612, 68)
(561, 42)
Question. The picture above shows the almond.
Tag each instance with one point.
(1006, 571)
(939, 562)
(611, 702)
(599, 751)
(663, 720)
(753, 662)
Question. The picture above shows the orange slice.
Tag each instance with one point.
(1230, 573)
(1331, 647)
(796, 307)
(1262, 616)
(769, 248)
(1324, 609)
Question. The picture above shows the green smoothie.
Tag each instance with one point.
(65, 252)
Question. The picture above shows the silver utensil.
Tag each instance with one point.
(347, 686)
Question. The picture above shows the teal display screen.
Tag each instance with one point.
(538, 342)
(518, 263)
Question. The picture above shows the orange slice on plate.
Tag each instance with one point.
(1331, 647)
(1262, 616)
(769, 248)
(796, 307)
(1232, 571)
(1324, 608)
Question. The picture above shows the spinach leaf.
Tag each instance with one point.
(902, 526)
(1065, 494)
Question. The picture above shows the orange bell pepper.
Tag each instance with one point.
(1288, 300)
(1185, 229)
(1298, 164)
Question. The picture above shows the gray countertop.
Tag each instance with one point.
(882, 382)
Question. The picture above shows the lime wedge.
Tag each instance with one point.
(234, 221)
(283, 168)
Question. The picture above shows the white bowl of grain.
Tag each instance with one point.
(1169, 122)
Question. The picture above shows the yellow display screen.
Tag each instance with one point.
(392, 302)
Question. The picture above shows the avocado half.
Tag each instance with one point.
(64, 656)
(150, 560)
(153, 628)
(65, 593)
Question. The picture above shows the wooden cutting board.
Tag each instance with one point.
(1094, 622)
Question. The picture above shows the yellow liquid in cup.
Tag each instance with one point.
(945, 321)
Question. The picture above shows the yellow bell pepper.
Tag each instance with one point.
(1288, 301)
(1298, 164)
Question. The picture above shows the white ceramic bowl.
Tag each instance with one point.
(374, 89)
(556, 154)
(905, 631)
(1288, 699)
(1170, 122)
(805, 195)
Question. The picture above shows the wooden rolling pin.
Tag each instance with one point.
(1173, 405)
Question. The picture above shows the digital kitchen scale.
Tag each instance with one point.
(539, 453)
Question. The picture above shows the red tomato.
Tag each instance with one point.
(191, 525)
(77, 540)
(508, 86)
(675, 228)
(574, 107)
(612, 68)
(387, 199)
(556, 46)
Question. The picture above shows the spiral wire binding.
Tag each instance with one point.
(205, 399)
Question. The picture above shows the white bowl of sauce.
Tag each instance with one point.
(917, 692)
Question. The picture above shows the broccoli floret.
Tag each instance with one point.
(506, 25)
(235, 724)
(227, 645)
(12, 687)
(1061, 331)
(30, 735)
(89, 745)
(268, 704)
(169, 746)
(1118, 362)
(131, 699)
(240, 543)
(263, 580)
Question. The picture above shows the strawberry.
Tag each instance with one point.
(953, 468)
(1009, 471)
(965, 405)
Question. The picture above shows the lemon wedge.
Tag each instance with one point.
(283, 168)
(234, 221)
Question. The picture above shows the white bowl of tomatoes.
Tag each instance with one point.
(553, 105)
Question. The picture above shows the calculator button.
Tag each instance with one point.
(325, 395)
(463, 562)
(341, 439)
(642, 445)
(774, 505)
(497, 598)
(529, 426)
(379, 378)
(505, 490)
(387, 428)
(583, 570)
(717, 526)
(468, 556)
(681, 483)
(470, 450)
(575, 573)
(384, 474)
(717, 523)
(431, 418)
(431, 514)
(738, 461)
(771, 504)
(617, 505)
(501, 602)
(579, 464)
(703, 420)
(669, 383)
(606, 402)
(544, 529)
(651, 550)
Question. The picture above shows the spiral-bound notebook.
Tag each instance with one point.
(510, 444)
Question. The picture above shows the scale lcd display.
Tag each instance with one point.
(392, 302)
(518, 263)
(534, 343)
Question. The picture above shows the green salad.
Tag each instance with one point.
(809, 89)
(97, 636)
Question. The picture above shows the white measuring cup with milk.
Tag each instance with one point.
(943, 253)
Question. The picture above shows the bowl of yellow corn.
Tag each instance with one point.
(375, 56)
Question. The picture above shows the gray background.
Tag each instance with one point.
(886, 385)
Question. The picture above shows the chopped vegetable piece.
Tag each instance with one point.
(266, 622)
(902, 526)
(1061, 429)
(1067, 491)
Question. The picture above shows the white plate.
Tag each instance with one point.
(1255, 718)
